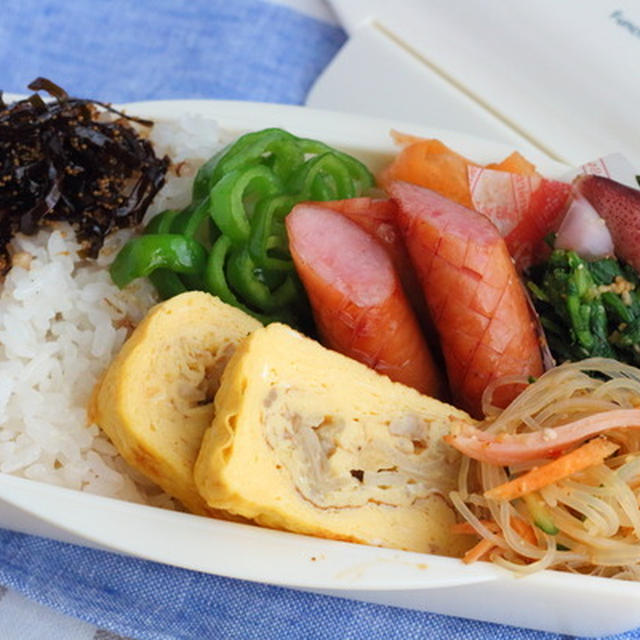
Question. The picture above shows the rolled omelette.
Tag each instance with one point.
(307, 440)
(156, 399)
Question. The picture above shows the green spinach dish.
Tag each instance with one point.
(588, 308)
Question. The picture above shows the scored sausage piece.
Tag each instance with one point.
(476, 300)
(358, 303)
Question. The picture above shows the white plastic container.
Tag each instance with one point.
(551, 601)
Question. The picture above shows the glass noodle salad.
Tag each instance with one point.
(535, 509)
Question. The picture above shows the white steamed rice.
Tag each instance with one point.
(62, 320)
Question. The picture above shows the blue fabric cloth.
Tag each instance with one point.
(150, 601)
(123, 51)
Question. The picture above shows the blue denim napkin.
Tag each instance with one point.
(124, 51)
(150, 601)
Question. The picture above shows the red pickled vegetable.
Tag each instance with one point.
(524, 208)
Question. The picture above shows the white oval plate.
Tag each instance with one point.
(551, 601)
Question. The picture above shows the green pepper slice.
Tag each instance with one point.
(321, 178)
(230, 205)
(167, 283)
(215, 276)
(249, 281)
(279, 148)
(361, 176)
(161, 223)
(268, 245)
(143, 255)
(203, 181)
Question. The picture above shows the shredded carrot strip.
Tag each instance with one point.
(524, 530)
(476, 552)
(466, 528)
(588, 455)
(521, 527)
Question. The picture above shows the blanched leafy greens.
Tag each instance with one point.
(588, 308)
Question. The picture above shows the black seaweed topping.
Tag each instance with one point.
(60, 160)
